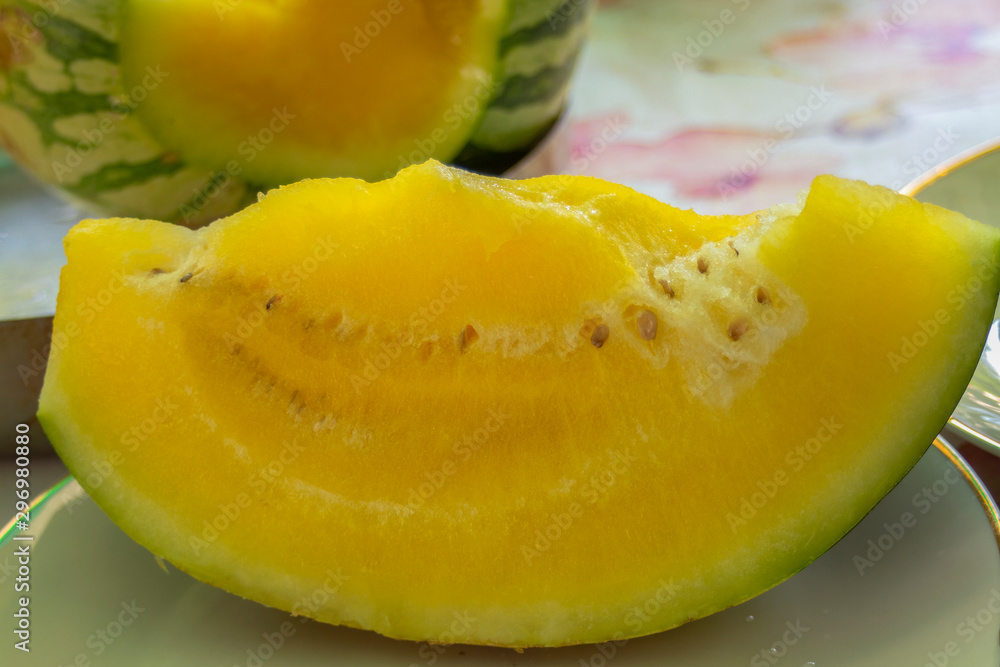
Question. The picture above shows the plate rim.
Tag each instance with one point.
(946, 167)
(912, 189)
(973, 480)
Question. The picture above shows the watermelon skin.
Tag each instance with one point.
(538, 55)
(66, 117)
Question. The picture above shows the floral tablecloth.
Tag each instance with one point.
(734, 105)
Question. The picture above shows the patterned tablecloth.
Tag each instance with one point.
(734, 105)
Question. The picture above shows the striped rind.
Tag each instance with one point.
(538, 54)
(65, 117)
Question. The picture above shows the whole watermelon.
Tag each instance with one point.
(184, 110)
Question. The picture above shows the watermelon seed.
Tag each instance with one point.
(667, 289)
(738, 327)
(702, 265)
(273, 300)
(647, 322)
(186, 277)
(733, 246)
(650, 276)
(157, 271)
(763, 297)
(468, 337)
(600, 335)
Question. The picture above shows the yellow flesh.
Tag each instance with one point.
(378, 327)
(295, 88)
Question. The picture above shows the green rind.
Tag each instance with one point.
(560, 18)
(520, 89)
(536, 69)
(121, 174)
(112, 166)
(487, 161)
(70, 41)
(40, 106)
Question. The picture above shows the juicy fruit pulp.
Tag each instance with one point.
(551, 406)
(355, 107)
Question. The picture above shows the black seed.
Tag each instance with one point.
(186, 277)
(667, 289)
(763, 297)
(273, 300)
(157, 271)
(702, 265)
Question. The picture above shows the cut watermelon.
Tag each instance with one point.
(537, 404)
(184, 110)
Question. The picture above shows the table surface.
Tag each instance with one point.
(728, 106)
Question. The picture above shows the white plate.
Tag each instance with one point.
(886, 595)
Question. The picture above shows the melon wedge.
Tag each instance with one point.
(452, 408)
